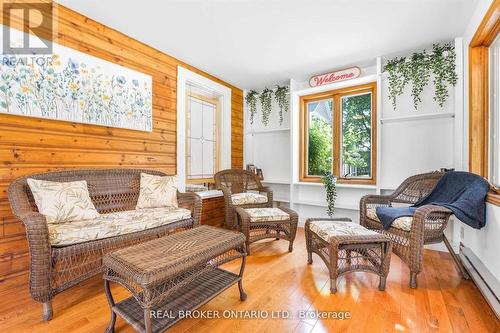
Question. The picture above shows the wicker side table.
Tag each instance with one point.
(171, 274)
(261, 223)
(347, 247)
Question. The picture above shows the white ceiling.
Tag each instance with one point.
(253, 43)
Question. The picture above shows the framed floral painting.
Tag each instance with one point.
(69, 85)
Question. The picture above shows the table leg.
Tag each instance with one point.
(147, 320)
(243, 295)
(111, 303)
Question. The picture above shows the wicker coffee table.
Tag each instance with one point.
(172, 274)
(346, 247)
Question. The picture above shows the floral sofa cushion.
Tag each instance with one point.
(266, 214)
(327, 229)
(402, 223)
(62, 202)
(114, 224)
(247, 198)
(157, 191)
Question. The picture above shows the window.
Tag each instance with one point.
(202, 138)
(338, 133)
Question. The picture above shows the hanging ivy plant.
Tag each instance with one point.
(417, 69)
(443, 68)
(330, 182)
(265, 102)
(397, 81)
(281, 97)
(251, 100)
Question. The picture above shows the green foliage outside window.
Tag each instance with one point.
(356, 134)
(320, 147)
(356, 139)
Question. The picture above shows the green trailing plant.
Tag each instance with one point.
(397, 80)
(417, 69)
(330, 182)
(251, 100)
(266, 97)
(281, 97)
(443, 68)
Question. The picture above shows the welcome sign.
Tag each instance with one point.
(331, 77)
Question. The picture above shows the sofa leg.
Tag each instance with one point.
(413, 280)
(47, 310)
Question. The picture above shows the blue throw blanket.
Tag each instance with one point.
(462, 192)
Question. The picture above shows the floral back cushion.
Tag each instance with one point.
(63, 202)
(157, 191)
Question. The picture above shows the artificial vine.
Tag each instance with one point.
(266, 101)
(280, 95)
(330, 182)
(417, 69)
(251, 100)
(265, 97)
(443, 68)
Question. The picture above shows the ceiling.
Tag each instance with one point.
(254, 43)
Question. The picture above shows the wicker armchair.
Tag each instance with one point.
(234, 181)
(54, 269)
(427, 226)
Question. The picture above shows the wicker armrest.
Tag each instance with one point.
(375, 199)
(269, 193)
(226, 191)
(430, 214)
(191, 201)
(37, 234)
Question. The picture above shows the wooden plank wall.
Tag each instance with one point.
(29, 145)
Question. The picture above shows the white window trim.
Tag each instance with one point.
(186, 77)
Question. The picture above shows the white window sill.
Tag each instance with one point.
(359, 186)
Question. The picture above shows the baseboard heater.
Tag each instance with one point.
(484, 280)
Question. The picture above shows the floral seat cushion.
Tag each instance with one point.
(402, 223)
(327, 229)
(114, 224)
(247, 198)
(266, 214)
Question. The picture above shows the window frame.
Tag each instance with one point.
(336, 96)
(479, 96)
(216, 102)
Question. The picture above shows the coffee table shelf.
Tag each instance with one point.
(190, 297)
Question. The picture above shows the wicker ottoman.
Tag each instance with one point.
(347, 247)
(261, 223)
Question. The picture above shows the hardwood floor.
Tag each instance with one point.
(282, 281)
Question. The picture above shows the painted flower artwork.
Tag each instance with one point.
(72, 86)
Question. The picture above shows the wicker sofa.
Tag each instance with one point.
(54, 269)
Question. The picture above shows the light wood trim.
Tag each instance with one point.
(493, 198)
(478, 90)
(335, 95)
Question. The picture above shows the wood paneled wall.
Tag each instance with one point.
(30, 145)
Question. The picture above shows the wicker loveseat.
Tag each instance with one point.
(57, 268)
(409, 234)
(243, 189)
